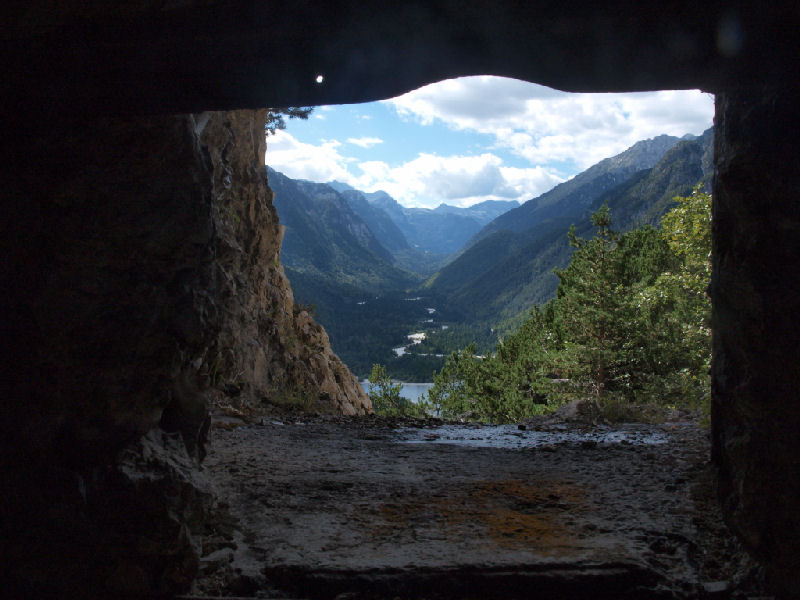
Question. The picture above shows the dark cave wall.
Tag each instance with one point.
(141, 252)
(756, 329)
(108, 244)
(141, 265)
(224, 54)
(109, 298)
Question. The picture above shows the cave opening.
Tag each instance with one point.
(433, 508)
(484, 145)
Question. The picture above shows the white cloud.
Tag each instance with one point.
(530, 182)
(429, 180)
(470, 99)
(426, 180)
(548, 135)
(365, 142)
(374, 170)
(542, 125)
(306, 161)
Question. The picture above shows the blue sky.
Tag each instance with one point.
(466, 140)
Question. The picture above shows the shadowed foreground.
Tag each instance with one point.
(370, 508)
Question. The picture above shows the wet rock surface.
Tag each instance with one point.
(333, 507)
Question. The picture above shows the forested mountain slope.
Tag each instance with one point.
(336, 263)
(378, 220)
(326, 239)
(577, 194)
(507, 271)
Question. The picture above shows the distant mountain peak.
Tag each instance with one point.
(440, 231)
(340, 186)
(379, 196)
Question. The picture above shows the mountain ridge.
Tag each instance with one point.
(577, 193)
(440, 231)
(324, 236)
(507, 271)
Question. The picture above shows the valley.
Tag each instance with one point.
(371, 269)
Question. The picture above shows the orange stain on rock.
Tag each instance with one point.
(513, 514)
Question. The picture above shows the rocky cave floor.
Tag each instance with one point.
(348, 508)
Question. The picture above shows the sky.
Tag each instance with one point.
(462, 141)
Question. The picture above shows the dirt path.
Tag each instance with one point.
(331, 507)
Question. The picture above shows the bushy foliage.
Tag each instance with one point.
(513, 383)
(687, 230)
(386, 398)
(629, 326)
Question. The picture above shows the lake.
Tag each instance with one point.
(412, 391)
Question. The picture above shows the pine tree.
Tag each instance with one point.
(591, 305)
(384, 393)
(276, 117)
(454, 393)
(687, 230)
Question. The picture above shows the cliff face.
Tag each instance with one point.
(142, 261)
(266, 345)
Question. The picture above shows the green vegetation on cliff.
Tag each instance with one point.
(386, 398)
(629, 327)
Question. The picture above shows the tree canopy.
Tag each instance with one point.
(629, 327)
